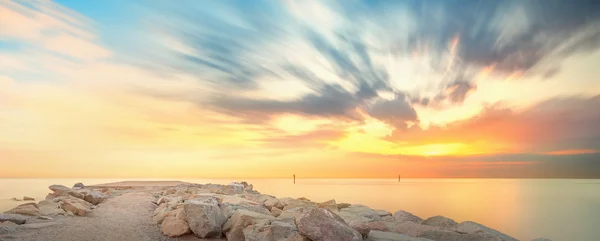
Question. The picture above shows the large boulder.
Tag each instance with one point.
(323, 225)
(362, 211)
(50, 208)
(291, 203)
(273, 202)
(276, 211)
(175, 225)
(330, 205)
(94, 197)
(473, 227)
(76, 206)
(390, 236)
(235, 227)
(275, 231)
(60, 190)
(402, 215)
(229, 209)
(15, 218)
(445, 235)
(541, 239)
(28, 209)
(440, 221)
(204, 217)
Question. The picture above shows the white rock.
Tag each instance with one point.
(323, 225)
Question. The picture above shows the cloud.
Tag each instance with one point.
(554, 125)
(397, 112)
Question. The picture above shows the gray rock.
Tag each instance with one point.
(275, 231)
(76, 206)
(323, 225)
(26, 198)
(382, 213)
(235, 227)
(402, 215)
(440, 221)
(229, 209)
(276, 211)
(78, 185)
(204, 217)
(29, 209)
(390, 236)
(61, 190)
(94, 197)
(362, 211)
(444, 235)
(15, 218)
(49, 208)
(329, 205)
(176, 225)
(273, 202)
(473, 227)
(541, 239)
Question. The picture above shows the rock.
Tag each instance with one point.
(229, 209)
(290, 203)
(94, 197)
(382, 213)
(406, 216)
(389, 236)
(163, 199)
(29, 209)
(413, 229)
(161, 216)
(273, 202)
(343, 205)
(365, 227)
(275, 231)
(276, 211)
(8, 224)
(76, 206)
(293, 213)
(78, 185)
(49, 208)
(234, 228)
(444, 235)
(303, 199)
(541, 239)
(473, 227)
(61, 190)
(440, 221)
(238, 188)
(16, 199)
(323, 225)
(50, 196)
(297, 237)
(15, 218)
(329, 205)
(362, 211)
(176, 225)
(26, 198)
(45, 218)
(204, 217)
(249, 188)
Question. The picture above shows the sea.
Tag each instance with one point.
(557, 209)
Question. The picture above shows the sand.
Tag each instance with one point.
(122, 218)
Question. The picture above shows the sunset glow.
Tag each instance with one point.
(293, 87)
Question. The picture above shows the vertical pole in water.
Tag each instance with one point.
(398, 178)
(294, 178)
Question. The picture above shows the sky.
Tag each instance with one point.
(320, 89)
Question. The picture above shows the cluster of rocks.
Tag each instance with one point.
(237, 212)
(62, 201)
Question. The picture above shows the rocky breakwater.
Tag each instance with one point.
(237, 212)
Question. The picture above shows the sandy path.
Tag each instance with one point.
(122, 218)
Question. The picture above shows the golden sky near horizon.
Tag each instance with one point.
(99, 92)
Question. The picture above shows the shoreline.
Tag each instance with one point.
(174, 209)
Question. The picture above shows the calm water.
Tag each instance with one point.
(559, 209)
